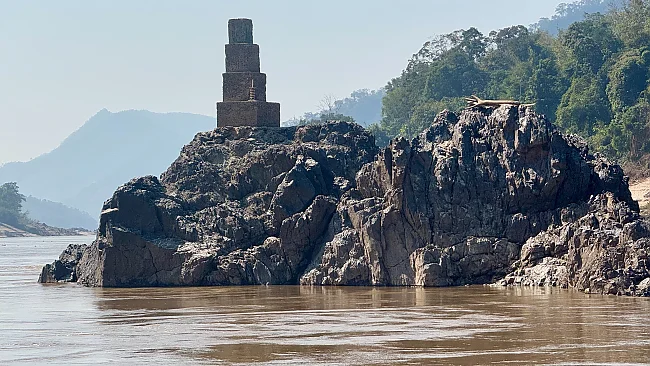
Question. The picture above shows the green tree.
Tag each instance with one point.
(628, 78)
(329, 117)
(548, 86)
(592, 79)
(11, 203)
(454, 75)
(381, 137)
(631, 22)
(325, 117)
(473, 43)
(397, 109)
(584, 106)
(591, 43)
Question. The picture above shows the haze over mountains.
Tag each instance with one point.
(363, 105)
(111, 148)
(107, 151)
(569, 13)
(58, 215)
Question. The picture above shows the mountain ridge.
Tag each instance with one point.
(57, 214)
(108, 149)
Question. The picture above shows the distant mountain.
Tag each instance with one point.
(363, 105)
(57, 214)
(569, 13)
(107, 151)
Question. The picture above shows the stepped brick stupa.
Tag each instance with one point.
(244, 86)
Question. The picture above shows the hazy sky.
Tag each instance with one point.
(62, 61)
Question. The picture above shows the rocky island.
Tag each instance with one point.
(493, 194)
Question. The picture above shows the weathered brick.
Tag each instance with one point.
(251, 113)
(236, 86)
(242, 58)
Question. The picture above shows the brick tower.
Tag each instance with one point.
(244, 86)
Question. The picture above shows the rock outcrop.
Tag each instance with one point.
(241, 205)
(604, 251)
(487, 195)
(63, 269)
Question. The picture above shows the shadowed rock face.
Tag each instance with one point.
(241, 205)
(455, 205)
(63, 269)
(484, 196)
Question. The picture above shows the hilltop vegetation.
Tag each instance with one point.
(592, 79)
(11, 204)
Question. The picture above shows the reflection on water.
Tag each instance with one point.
(298, 325)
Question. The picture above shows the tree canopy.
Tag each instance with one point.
(593, 78)
(11, 204)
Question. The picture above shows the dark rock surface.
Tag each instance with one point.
(241, 205)
(476, 198)
(63, 269)
(604, 251)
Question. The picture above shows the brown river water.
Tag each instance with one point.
(292, 325)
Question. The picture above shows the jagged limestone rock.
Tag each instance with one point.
(486, 195)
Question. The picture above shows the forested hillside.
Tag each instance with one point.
(592, 79)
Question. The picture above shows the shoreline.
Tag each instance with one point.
(8, 231)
